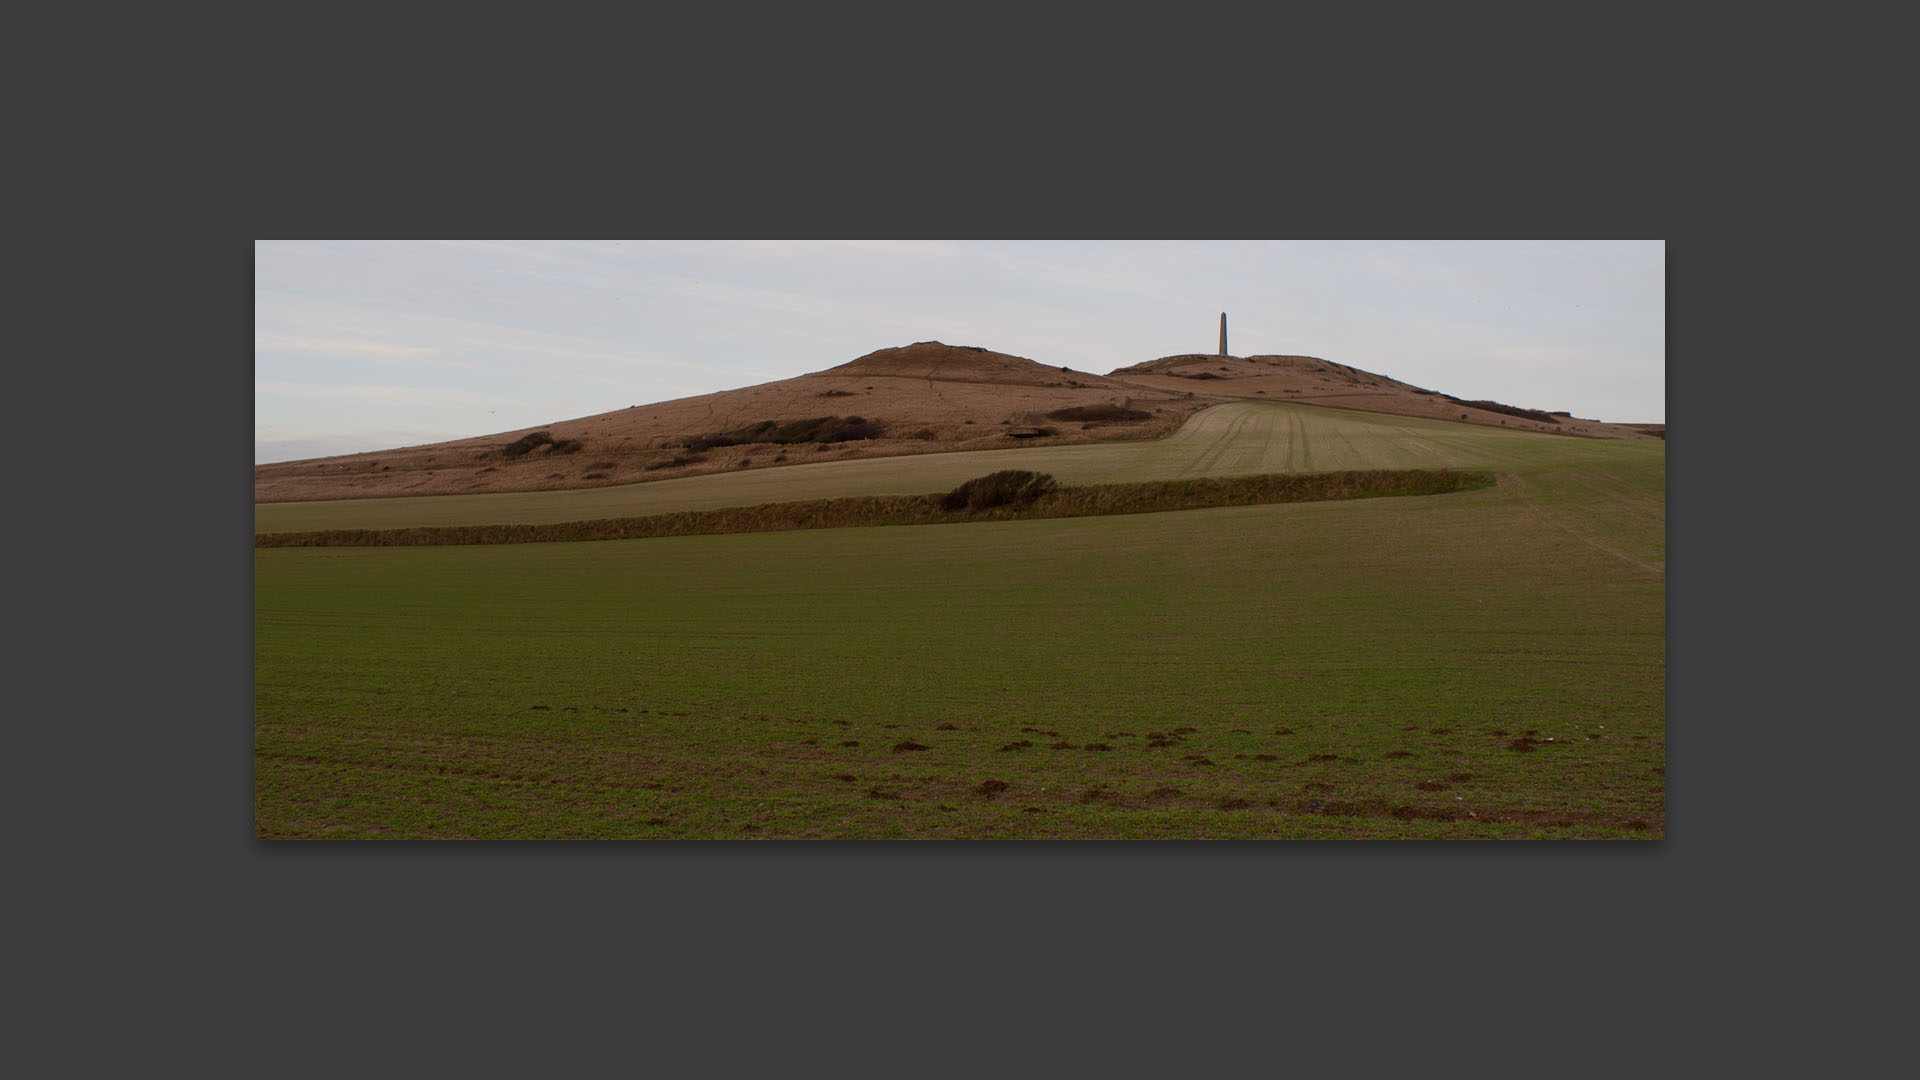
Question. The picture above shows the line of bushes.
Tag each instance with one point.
(674, 462)
(1513, 410)
(1098, 412)
(525, 445)
(869, 510)
(820, 429)
(1008, 487)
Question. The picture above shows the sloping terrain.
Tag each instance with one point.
(1481, 664)
(1237, 438)
(1488, 663)
(1311, 380)
(928, 397)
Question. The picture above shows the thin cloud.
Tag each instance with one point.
(434, 396)
(342, 347)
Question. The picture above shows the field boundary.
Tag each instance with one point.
(872, 510)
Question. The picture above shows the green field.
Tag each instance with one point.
(1487, 663)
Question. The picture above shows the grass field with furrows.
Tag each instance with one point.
(1480, 664)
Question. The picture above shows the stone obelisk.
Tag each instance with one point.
(1223, 333)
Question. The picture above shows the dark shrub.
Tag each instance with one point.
(820, 429)
(1006, 487)
(677, 459)
(564, 446)
(525, 443)
(1509, 410)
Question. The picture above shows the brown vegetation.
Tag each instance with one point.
(928, 397)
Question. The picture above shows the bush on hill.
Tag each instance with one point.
(1098, 412)
(820, 429)
(1006, 487)
(524, 444)
(1510, 410)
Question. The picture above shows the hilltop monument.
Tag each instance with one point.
(1223, 333)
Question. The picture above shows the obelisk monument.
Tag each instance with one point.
(1223, 333)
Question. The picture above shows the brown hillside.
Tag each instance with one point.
(927, 397)
(924, 398)
(1314, 381)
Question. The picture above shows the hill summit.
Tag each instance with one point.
(959, 363)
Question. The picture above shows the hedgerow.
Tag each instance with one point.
(868, 510)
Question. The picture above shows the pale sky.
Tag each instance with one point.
(372, 345)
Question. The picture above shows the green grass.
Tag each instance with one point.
(704, 686)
